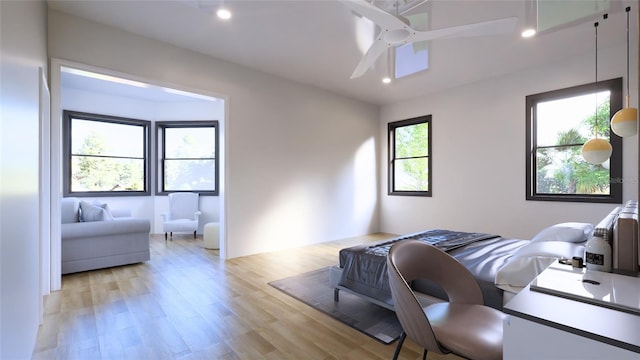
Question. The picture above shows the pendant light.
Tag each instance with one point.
(625, 121)
(387, 79)
(530, 19)
(223, 12)
(596, 151)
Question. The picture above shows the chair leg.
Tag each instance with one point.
(399, 346)
(171, 235)
(194, 234)
(424, 355)
(336, 295)
(165, 236)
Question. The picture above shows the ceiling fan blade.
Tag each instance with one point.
(380, 17)
(493, 27)
(375, 50)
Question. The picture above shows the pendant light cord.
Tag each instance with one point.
(595, 25)
(627, 10)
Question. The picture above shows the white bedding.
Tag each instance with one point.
(531, 260)
(564, 240)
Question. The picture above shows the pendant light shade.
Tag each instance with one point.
(596, 151)
(625, 121)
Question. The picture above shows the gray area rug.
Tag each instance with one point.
(312, 288)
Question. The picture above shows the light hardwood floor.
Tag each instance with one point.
(187, 303)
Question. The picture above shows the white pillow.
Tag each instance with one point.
(92, 212)
(106, 215)
(567, 232)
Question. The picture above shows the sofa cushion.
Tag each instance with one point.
(69, 210)
(93, 229)
(93, 212)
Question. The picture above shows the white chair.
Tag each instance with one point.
(183, 215)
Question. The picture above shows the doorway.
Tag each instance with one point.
(84, 88)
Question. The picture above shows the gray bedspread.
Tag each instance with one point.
(365, 266)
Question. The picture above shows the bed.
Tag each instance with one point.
(502, 266)
(362, 269)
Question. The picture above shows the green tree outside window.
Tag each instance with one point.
(558, 123)
(410, 157)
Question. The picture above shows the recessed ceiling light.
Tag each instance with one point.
(386, 80)
(527, 33)
(223, 14)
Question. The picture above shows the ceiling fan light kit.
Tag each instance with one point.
(395, 31)
(527, 33)
(223, 13)
(625, 122)
(530, 27)
(396, 36)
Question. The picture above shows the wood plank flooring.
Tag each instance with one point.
(187, 303)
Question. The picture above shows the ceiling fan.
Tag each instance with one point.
(396, 31)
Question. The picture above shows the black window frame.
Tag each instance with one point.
(391, 127)
(160, 141)
(67, 117)
(614, 86)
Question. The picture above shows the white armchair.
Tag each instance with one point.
(183, 215)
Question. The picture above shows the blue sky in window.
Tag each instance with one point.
(411, 59)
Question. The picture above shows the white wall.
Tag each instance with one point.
(479, 153)
(150, 207)
(301, 164)
(23, 52)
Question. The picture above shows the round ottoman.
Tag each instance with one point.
(212, 235)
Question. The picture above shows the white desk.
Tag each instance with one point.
(543, 326)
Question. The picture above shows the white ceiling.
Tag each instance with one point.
(315, 42)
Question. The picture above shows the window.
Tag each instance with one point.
(188, 156)
(410, 157)
(413, 58)
(558, 124)
(104, 155)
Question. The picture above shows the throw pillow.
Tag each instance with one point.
(91, 212)
(106, 216)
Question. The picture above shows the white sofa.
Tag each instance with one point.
(100, 241)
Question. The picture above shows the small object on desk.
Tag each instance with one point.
(577, 262)
(591, 281)
(598, 254)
